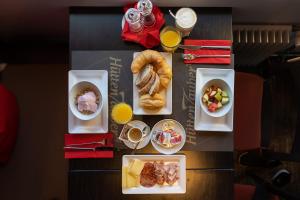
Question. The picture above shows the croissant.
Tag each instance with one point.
(165, 74)
(158, 61)
(152, 102)
(146, 57)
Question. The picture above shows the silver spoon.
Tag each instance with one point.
(133, 151)
(193, 56)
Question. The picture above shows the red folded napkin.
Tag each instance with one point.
(83, 138)
(149, 36)
(209, 51)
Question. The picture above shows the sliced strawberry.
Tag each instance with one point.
(162, 137)
(212, 107)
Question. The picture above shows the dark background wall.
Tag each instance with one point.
(33, 20)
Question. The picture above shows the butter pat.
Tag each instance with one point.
(136, 167)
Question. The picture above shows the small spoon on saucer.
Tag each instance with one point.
(135, 148)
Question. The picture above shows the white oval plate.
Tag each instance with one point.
(177, 127)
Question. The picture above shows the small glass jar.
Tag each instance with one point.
(170, 38)
(133, 18)
(145, 7)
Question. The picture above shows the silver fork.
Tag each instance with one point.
(193, 56)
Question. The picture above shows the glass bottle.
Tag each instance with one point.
(133, 18)
(145, 7)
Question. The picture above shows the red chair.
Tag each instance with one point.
(247, 111)
(246, 192)
(9, 123)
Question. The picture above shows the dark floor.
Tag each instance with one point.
(280, 120)
(37, 169)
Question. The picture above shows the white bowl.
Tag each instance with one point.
(177, 127)
(78, 88)
(224, 86)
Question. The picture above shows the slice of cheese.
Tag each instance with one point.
(124, 177)
(129, 180)
(132, 181)
(136, 167)
(130, 164)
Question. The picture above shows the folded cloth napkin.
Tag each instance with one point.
(149, 36)
(84, 138)
(208, 51)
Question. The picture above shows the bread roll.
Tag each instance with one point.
(160, 64)
(144, 76)
(152, 102)
(149, 84)
(155, 87)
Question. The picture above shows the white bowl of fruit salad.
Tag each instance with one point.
(216, 98)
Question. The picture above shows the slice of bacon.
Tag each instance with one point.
(160, 172)
(172, 173)
(148, 177)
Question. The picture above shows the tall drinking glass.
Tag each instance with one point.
(170, 38)
(121, 113)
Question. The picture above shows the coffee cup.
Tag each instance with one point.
(136, 135)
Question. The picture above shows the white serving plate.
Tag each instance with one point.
(178, 187)
(167, 109)
(98, 124)
(204, 122)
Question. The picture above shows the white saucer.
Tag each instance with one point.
(145, 141)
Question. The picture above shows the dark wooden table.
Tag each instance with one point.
(209, 173)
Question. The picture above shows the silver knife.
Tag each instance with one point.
(196, 47)
(103, 148)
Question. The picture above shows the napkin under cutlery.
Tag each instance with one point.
(89, 138)
(204, 51)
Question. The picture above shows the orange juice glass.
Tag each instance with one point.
(170, 38)
(121, 113)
